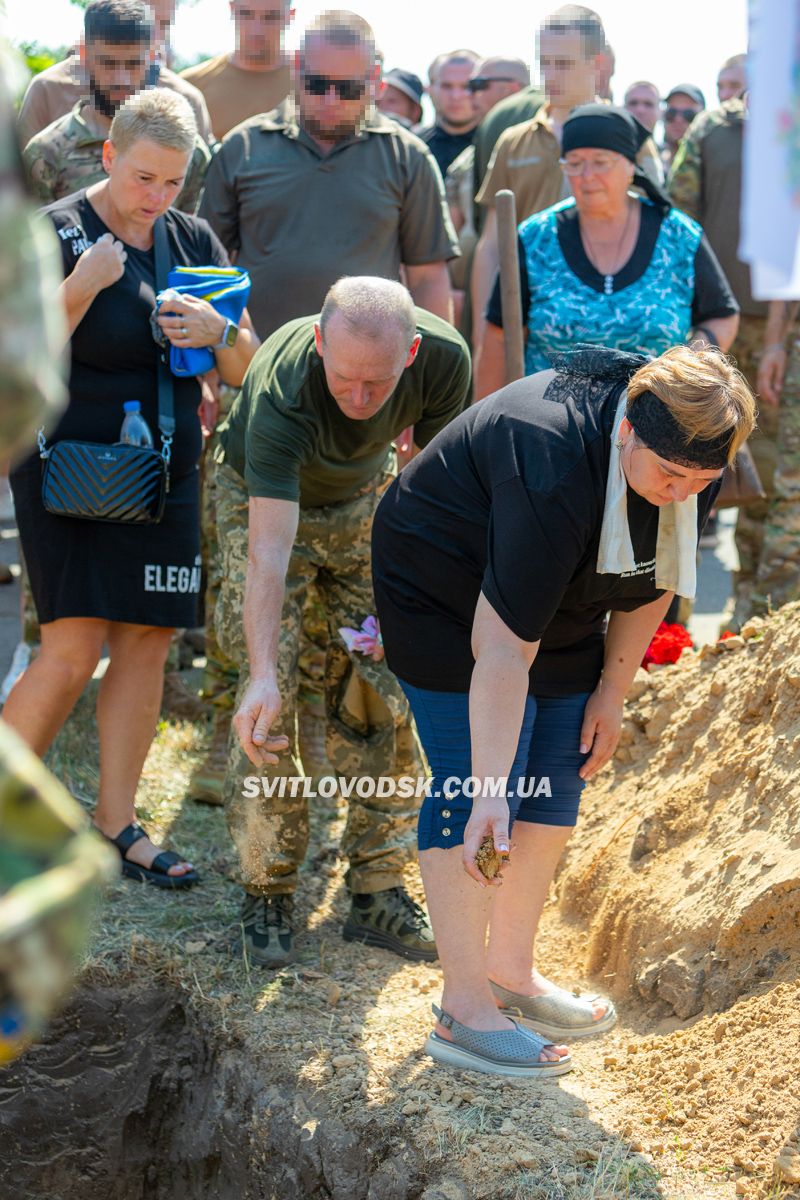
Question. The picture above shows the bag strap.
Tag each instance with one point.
(166, 405)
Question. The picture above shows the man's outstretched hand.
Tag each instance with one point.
(259, 710)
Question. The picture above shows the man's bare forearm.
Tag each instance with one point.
(781, 316)
(485, 266)
(430, 289)
(263, 606)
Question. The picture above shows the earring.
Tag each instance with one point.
(619, 443)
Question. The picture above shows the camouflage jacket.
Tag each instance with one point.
(686, 174)
(67, 156)
(33, 332)
(706, 183)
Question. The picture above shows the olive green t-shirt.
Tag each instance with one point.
(289, 440)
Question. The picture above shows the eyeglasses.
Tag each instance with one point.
(481, 82)
(574, 167)
(688, 114)
(346, 89)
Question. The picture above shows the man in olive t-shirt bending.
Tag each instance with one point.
(309, 445)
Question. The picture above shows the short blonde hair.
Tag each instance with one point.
(704, 393)
(158, 114)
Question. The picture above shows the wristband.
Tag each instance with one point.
(707, 334)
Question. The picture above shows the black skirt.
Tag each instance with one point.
(139, 574)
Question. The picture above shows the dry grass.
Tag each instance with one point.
(292, 1033)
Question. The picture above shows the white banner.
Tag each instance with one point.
(770, 239)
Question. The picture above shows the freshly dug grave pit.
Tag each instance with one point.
(130, 1097)
(179, 1070)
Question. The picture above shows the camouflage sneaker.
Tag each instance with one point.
(267, 929)
(392, 920)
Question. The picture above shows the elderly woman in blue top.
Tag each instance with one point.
(609, 267)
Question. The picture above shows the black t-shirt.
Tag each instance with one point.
(114, 356)
(445, 147)
(508, 499)
(712, 293)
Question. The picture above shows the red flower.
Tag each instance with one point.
(667, 644)
(723, 637)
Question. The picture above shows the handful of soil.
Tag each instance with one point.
(488, 860)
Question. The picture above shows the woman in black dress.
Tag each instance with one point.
(123, 586)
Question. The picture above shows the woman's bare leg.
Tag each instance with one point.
(128, 705)
(459, 909)
(46, 692)
(518, 907)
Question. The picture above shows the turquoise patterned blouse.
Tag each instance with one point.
(645, 310)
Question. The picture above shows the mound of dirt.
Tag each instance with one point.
(684, 881)
(685, 868)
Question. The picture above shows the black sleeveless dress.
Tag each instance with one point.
(144, 575)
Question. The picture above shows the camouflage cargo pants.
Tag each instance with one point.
(221, 674)
(763, 443)
(778, 578)
(369, 730)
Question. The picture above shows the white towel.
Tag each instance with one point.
(676, 545)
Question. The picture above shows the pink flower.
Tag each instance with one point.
(366, 640)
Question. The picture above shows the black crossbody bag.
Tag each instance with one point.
(126, 485)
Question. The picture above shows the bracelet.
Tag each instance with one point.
(774, 347)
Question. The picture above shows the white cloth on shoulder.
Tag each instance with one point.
(676, 545)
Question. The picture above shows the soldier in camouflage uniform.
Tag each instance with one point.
(67, 156)
(308, 447)
(705, 182)
(51, 865)
(778, 575)
(221, 674)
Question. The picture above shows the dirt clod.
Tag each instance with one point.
(488, 860)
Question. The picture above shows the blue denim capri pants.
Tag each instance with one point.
(543, 786)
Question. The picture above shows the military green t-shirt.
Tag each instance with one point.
(289, 440)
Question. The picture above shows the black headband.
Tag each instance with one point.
(655, 425)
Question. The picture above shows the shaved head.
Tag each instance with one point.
(509, 68)
(372, 308)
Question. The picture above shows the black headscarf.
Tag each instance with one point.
(604, 127)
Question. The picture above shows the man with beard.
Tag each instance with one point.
(56, 90)
(456, 118)
(349, 191)
(117, 54)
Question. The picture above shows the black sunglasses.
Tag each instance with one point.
(481, 82)
(688, 114)
(346, 89)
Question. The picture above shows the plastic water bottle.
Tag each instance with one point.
(135, 430)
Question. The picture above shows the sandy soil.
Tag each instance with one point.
(679, 895)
